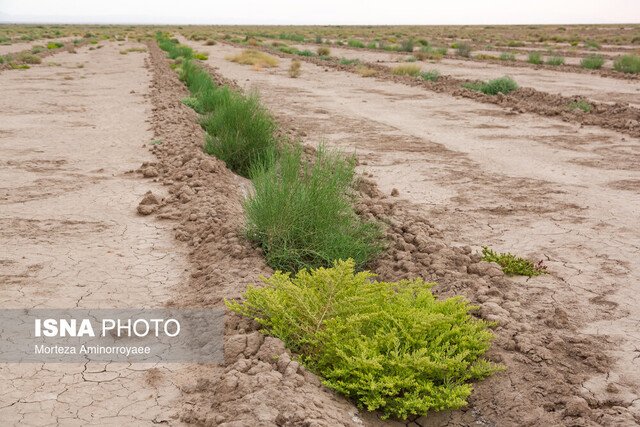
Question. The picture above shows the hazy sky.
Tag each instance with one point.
(322, 11)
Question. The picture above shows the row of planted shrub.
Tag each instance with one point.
(391, 347)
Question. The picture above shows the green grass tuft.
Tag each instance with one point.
(513, 265)
(502, 85)
(406, 70)
(555, 60)
(301, 215)
(592, 62)
(389, 346)
(534, 58)
(431, 75)
(355, 43)
(627, 64)
(580, 105)
(507, 56)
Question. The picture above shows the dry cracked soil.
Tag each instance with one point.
(108, 200)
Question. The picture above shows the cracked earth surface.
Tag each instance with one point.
(537, 187)
(70, 235)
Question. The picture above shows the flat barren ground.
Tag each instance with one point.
(597, 88)
(539, 187)
(70, 235)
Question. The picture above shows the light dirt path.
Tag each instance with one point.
(70, 235)
(521, 183)
(597, 88)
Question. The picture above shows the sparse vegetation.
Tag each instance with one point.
(254, 57)
(300, 213)
(507, 56)
(431, 75)
(555, 60)
(463, 49)
(502, 85)
(406, 70)
(534, 58)
(365, 71)
(355, 43)
(54, 45)
(580, 104)
(592, 62)
(324, 51)
(627, 64)
(389, 346)
(295, 69)
(513, 265)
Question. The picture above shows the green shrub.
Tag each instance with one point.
(37, 49)
(513, 265)
(355, 43)
(592, 45)
(592, 62)
(241, 134)
(28, 58)
(431, 75)
(493, 87)
(534, 58)
(201, 56)
(372, 45)
(305, 52)
(406, 70)
(345, 61)
(580, 105)
(324, 51)
(555, 60)
(301, 215)
(463, 49)
(515, 43)
(54, 45)
(406, 46)
(627, 64)
(391, 347)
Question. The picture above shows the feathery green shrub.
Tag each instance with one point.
(513, 265)
(301, 215)
(391, 347)
(592, 62)
(627, 64)
(534, 58)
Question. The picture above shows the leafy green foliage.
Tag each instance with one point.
(627, 64)
(300, 213)
(391, 347)
(493, 87)
(513, 265)
(592, 62)
(54, 45)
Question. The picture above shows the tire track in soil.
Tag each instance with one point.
(539, 197)
(71, 236)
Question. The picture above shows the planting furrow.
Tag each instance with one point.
(431, 149)
(258, 383)
(593, 87)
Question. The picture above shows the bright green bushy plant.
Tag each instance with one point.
(513, 265)
(391, 347)
(301, 215)
(493, 87)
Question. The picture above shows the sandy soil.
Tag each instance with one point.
(602, 89)
(534, 186)
(17, 47)
(71, 236)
